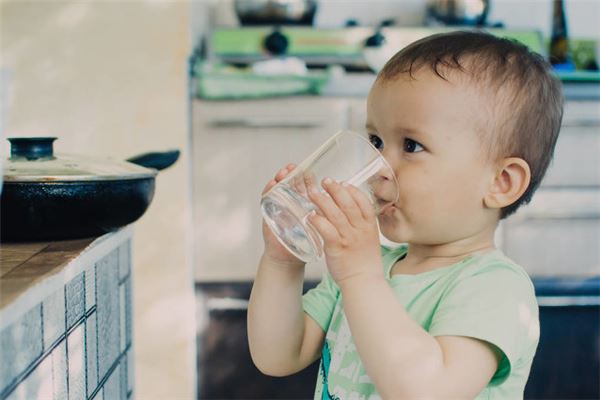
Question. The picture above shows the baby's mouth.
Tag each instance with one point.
(383, 204)
(384, 194)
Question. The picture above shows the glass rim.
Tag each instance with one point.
(364, 139)
(387, 164)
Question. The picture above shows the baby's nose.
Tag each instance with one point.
(386, 172)
(383, 185)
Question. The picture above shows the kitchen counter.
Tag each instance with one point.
(65, 318)
(24, 266)
(359, 84)
(30, 271)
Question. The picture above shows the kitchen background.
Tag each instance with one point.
(120, 78)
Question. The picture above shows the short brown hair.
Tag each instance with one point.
(526, 97)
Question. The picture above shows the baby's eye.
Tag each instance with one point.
(376, 141)
(410, 146)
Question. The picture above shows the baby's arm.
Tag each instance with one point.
(402, 359)
(282, 338)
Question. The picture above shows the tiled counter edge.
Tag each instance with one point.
(71, 335)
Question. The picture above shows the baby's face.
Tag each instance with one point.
(429, 130)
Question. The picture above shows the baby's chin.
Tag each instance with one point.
(390, 229)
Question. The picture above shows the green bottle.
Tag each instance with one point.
(560, 54)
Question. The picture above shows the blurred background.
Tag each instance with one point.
(243, 87)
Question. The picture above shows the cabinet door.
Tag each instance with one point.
(358, 114)
(557, 234)
(226, 370)
(238, 147)
(577, 154)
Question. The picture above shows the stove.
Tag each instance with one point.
(320, 47)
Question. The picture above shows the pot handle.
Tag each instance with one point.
(156, 160)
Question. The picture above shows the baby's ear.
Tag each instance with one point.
(510, 182)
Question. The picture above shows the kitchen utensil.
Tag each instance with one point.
(459, 12)
(48, 197)
(347, 157)
(267, 12)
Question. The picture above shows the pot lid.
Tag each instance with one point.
(33, 160)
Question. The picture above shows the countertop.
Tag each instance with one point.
(359, 84)
(31, 271)
(22, 265)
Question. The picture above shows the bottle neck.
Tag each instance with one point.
(559, 20)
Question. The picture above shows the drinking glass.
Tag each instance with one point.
(346, 157)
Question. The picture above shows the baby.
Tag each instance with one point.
(468, 122)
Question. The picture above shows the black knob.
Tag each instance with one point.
(35, 148)
(276, 43)
(377, 40)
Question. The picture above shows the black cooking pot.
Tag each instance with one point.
(66, 197)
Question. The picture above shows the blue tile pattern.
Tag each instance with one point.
(90, 287)
(20, 346)
(53, 310)
(75, 300)
(94, 360)
(91, 351)
(107, 312)
(76, 363)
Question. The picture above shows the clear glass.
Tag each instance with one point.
(346, 157)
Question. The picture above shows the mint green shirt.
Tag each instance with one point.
(486, 296)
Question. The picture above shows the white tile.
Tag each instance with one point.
(38, 385)
(122, 316)
(124, 259)
(59, 370)
(91, 349)
(112, 387)
(123, 378)
(90, 287)
(130, 371)
(76, 361)
(107, 313)
(54, 317)
(20, 345)
(99, 395)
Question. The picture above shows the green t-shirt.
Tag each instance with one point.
(486, 296)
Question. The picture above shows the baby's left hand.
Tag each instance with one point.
(348, 225)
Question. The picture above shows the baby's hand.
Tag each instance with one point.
(273, 249)
(346, 221)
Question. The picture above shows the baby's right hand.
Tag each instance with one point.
(273, 249)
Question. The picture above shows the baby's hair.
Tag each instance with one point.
(526, 106)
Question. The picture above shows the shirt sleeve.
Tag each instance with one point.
(496, 305)
(320, 301)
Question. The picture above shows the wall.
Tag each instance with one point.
(582, 15)
(109, 78)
